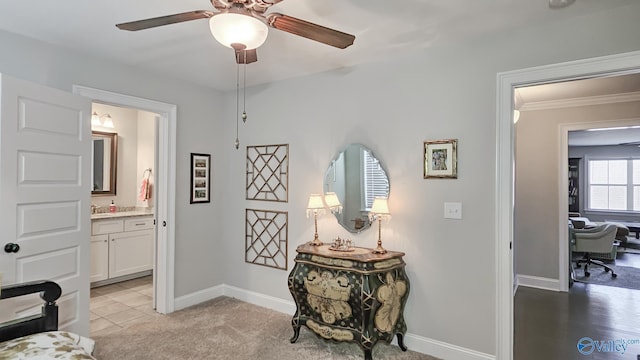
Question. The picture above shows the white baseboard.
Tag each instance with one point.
(538, 282)
(443, 350)
(417, 343)
(198, 297)
(270, 302)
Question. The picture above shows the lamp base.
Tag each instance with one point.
(379, 250)
(316, 242)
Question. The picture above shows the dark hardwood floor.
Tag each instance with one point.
(549, 324)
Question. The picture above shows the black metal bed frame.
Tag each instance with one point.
(47, 320)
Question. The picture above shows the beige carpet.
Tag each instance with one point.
(226, 328)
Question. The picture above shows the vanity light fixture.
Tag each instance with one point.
(104, 121)
(333, 203)
(315, 207)
(379, 211)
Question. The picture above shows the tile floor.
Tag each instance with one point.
(113, 307)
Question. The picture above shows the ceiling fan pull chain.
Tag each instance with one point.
(237, 101)
(244, 89)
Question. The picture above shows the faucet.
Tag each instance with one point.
(94, 208)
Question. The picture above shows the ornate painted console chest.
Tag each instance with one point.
(354, 296)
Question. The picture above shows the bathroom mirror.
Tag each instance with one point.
(105, 153)
(357, 177)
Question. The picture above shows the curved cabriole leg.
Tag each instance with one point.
(296, 333)
(367, 354)
(401, 342)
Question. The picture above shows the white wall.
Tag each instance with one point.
(391, 107)
(198, 261)
(147, 127)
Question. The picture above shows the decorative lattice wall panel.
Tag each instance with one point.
(266, 234)
(268, 172)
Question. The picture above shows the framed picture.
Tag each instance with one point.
(441, 159)
(200, 178)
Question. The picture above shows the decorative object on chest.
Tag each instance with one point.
(380, 211)
(355, 296)
(315, 207)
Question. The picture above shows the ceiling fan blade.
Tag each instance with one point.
(309, 30)
(246, 56)
(165, 20)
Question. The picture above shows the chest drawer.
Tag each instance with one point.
(138, 223)
(106, 226)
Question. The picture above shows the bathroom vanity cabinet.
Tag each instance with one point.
(121, 246)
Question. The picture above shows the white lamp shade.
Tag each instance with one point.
(232, 28)
(315, 202)
(332, 200)
(315, 205)
(380, 208)
(95, 119)
(108, 122)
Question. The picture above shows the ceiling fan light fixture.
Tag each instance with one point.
(233, 28)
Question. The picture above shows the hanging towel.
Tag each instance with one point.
(147, 194)
(145, 187)
(144, 193)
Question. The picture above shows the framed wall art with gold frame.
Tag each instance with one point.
(441, 159)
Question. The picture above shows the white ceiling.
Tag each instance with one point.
(187, 51)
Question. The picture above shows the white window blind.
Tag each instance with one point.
(375, 180)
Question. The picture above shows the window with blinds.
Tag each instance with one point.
(376, 182)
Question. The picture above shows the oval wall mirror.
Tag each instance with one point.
(104, 166)
(357, 177)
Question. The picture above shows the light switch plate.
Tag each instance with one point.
(453, 210)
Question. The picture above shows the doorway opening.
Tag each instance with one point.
(123, 236)
(164, 176)
(543, 173)
(604, 66)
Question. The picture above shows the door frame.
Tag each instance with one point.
(563, 183)
(504, 185)
(164, 271)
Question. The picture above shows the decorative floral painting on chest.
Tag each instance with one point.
(268, 172)
(266, 235)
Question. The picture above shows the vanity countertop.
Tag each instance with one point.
(119, 214)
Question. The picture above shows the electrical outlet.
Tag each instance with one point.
(453, 210)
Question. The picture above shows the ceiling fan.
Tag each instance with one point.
(243, 26)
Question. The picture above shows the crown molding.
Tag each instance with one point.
(583, 101)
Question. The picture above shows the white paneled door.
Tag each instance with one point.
(45, 147)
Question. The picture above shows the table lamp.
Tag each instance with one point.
(315, 207)
(379, 210)
(333, 203)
